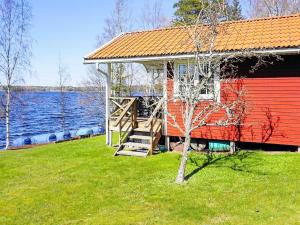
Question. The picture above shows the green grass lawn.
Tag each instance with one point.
(80, 182)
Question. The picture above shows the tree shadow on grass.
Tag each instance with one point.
(240, 161)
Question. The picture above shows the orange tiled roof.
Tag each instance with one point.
(265, 33)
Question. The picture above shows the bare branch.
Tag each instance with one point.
(208, 89)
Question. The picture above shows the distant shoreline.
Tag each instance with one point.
(54, 89)
(65, 89)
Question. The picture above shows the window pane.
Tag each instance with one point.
(182, 69)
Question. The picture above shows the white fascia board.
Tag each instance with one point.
(139, 59)
(104, 45)
(187, 56)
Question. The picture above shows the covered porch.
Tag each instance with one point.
(156, 49)
(139, 125)
(139, 121)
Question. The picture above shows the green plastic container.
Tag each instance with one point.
(162, 148)
(219, 146)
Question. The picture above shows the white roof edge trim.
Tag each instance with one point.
(185, 56)
(104, 45)
(139, 59)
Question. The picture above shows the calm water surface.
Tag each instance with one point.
(37, 113)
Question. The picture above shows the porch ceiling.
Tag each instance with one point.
(175, 42)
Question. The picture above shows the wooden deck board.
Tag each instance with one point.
(132, 153)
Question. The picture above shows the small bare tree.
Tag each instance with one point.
(15, 18)
(197, 91)
(266, 8)
(153, 17)
(94, 95)
(64, 78)
(154, 84)
(117, 23)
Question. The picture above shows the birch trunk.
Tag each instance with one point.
(181, 170)
(7, 118)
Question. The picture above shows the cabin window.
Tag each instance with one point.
(182, 70)
(187, 71)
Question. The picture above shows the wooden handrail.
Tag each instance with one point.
(121, 106)
(153, 115)
(123, 98)
(118, 104)
(127, 108)
(127, 120)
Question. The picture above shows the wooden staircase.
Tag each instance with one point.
(138, 136)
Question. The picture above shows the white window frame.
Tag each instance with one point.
(217, 83)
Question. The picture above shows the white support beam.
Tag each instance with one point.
(165, 97)
(167, 142)
(107, 109)
(107, 95)
(232, 147)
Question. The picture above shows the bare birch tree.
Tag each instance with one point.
(93, 97)
(64, 78)
(267, 8)
(152, 16)
(197, 91)
(117, 23)
(15, 19)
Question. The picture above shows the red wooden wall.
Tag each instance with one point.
(273, 107)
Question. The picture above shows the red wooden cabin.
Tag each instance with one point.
(273, 114)
(273, 97)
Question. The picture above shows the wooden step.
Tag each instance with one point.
(136, 145)
(142, 119)
(144, 129)
(141, 129)
(132, 153)
(126, 127)
(140, 137)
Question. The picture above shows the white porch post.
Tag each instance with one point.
(107, 109)
(165, 96)
(232, 147)
(107, 95)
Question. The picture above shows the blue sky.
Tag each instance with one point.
(67, 29)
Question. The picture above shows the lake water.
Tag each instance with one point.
(35, 113)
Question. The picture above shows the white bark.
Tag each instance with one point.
(152, 16)
(267, 8)
(181, 171)
(7, 118)
(15, 16)
(198, 88)
(64, 77)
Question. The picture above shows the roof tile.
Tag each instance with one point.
(266, 33)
